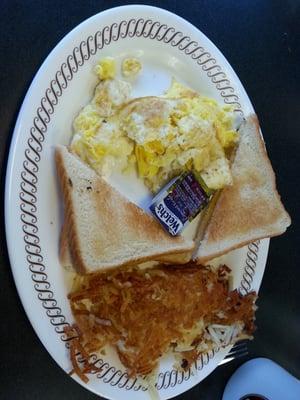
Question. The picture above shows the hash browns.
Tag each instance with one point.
(144, 313)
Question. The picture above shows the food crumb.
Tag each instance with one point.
(131, 67)
(184, 363)
(106, 68)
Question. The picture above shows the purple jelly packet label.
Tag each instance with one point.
(179, 202)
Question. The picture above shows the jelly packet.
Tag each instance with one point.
(180, 201)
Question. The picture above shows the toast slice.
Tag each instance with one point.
(66, 258)
(104, 229)
(250, 209)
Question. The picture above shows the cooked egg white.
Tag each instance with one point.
(163, 136)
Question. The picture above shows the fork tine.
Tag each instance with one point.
(239, 346)
(238, 350)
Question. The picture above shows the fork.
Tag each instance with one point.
(239, 350)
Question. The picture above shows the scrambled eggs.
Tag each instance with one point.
(106, 68)
(97, 139)
(163, 136)
(131, 67)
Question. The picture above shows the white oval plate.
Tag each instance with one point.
(168, 46)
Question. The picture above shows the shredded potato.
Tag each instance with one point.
(145, 313)
(76, 349)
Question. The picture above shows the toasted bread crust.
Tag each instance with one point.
(181, 258)
(64, 249)
(70, 226)
(251, 208)
(204, 259)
